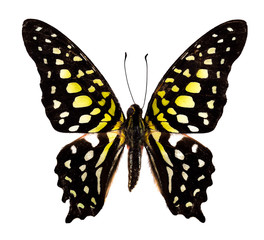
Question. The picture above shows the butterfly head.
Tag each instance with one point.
(134, 110)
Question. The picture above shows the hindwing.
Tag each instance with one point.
(191, 95)
(76, 96)
(182, 168)
(85, 168)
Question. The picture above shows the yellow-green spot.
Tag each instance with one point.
(190, 58)
(161, 93)
(93, 200)
(175, 88)
(101, 102)
(161, 118)
(155, 107)
(169, 80)
(72, 192)
(193, 87)
(91, 89)
(185, 101)
(210, 104)
(106, 118)
(168, 127)
(186, 73)
(171, 111)
(65, 73)
(68, 179)
(89, 72)
(80, 205)
(105, 94)
(73, 87)
(165, 102)
(211, 50)
(80, 73)
(77, 59)
(202, 73)
(177, 70)
(98, 81)
(82, 101)
(67, 164)
(95, 111)
(56, 51)
(99, 127)
(85, 118)
(112, 108)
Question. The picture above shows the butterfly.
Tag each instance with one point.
(189, 99)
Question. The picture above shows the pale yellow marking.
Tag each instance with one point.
(193, 128)
(211, 50)
(53, 35)
(98, 81)
(168, 127)
(198, 46)
(185, 101)
(201, 163)
(64, 114)
(181, 118)
(47, 40)
(106, 118)
(111, 136)
(161, 118)
(230, 29)
(214, 89)
(103, 154)
(183, 188)
(67, 164)
(82, 101)
(40, 49)
(186, 73)
(112, 108)
(190, 58)
(89, 72)
(89, 155)
(61, 121)
(200, 54)
(53, 89)
(193, 87)
(74, 128)
(49, 74)
(59, 62)
(185, 176)
(105, 94)
(84, 176)
(170, 174)
(208, 62)
(201, 178)
(165, 102)
(86, 189)
(67, 54)
(73, 193)
(210, 104)
(45, 60)
(202, 73)
(38, 29)
(175, 88)
(233, 38)
(68, 179)
(80, 205)
(56, 51)
(73, 87)
(168, 80)
(203, 114)
(164, 154)
(34, 38)
(222, 61)
(220, 40)
(188, 204)
(175, 199)
(99, 127)
(171, 111)
(91, 89)
(155, 107)
(214, 35)
(69, 46)
(56, 104)
(65, 73)
(80, 73)
(93, 200)
(85, 118)
(83, 167)
(177, 70)
(185, 166)
(101, 102)
(206, 122)
(77, 59)
(196, 191)
(156, 135)
(151, 125)
(161, 93)
(95, 111)
(98, 175)
(178, 154)
(218, 74)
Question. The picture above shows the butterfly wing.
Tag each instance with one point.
(85, 168)
(76, 96)
(191, 95)
(182, 168)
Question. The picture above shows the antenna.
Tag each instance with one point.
(146, 88)
(127, 79)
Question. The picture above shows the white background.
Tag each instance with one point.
(30, 201)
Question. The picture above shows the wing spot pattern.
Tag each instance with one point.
(186, 73)
(74, 128)
(56, 104)
(185, 101)
(181, 118)
(89, 155)
(178, 154)
(193, 128)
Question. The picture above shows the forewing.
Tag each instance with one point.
(85, 168)
(182, 168)
(76, 96)
(191, 95)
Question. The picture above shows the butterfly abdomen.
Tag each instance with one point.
(134, 132)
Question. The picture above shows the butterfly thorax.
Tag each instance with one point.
(134, 132)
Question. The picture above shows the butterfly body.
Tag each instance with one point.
(189, 99)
